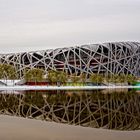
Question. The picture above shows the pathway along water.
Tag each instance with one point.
(66, 87)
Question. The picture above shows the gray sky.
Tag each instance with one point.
(28, 25)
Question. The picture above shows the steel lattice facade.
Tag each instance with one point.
(107, 58)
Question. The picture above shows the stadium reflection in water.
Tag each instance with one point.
(107, 109)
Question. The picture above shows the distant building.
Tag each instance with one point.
(106, 58)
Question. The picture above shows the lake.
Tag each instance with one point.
(110, 109)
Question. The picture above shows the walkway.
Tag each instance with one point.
(65, 87)
(15, 128)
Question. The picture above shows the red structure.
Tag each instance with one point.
(37, 83)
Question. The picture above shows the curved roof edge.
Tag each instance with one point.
(129, 44)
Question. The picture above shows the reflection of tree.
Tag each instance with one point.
(9, 104)
(93, 109)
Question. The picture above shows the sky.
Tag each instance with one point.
(29, 25)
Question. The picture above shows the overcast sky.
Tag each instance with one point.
(28, 25)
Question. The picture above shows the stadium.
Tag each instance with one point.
(106, 58)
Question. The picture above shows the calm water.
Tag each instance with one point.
(99, 108)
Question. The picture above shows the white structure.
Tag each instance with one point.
(4, 82)
(117, 57)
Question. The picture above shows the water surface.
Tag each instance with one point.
(98, 108)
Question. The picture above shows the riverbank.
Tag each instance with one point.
(15, 128)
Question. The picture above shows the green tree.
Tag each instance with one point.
(96, 78)
(122, 78)
(93, 78)
(52, 76)
(35, 75)
(99, 78)
(116, 78)
(74, 78)
(61, 76)
(7, 71)
(57, 76)
(130, 78)
(83, 77)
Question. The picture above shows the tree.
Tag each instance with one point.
(96, 78)
(83, 77)
(130, 78)
(122, 78)
(74, 78)
(61, 76)
(52, 76)
(57, 76)
(112, 78)
(99, 78)
(93, 78)
(116, 78)
(35, 75)
(7, 71)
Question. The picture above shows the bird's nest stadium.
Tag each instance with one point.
(106, 58)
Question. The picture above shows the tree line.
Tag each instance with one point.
(8, 71)
(62, 77)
